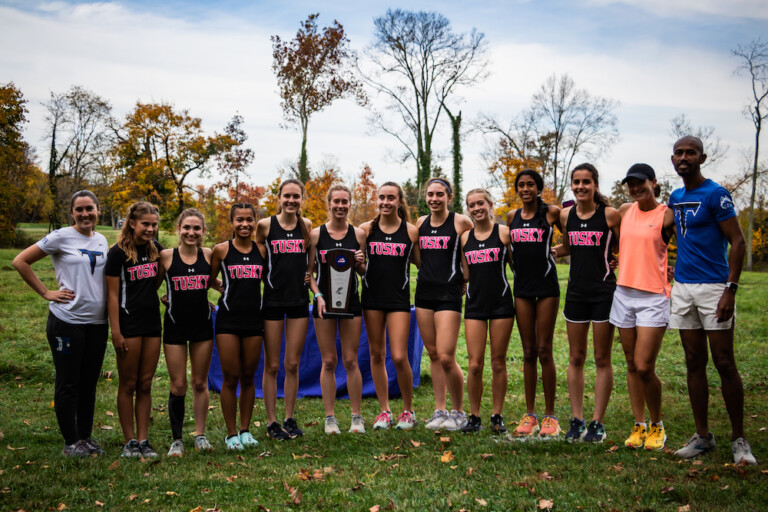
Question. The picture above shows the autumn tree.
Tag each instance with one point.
(417, 63)
(753, 61)
(158, 149)
(364, 198)
(78, 129)
(715, 148)
(313, 70)
(233, 164)
(16, 166)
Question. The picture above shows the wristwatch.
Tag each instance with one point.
(732, 286)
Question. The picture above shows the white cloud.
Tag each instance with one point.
(683, 8)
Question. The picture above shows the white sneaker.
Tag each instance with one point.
(406, 421)
(383, 421)
(697, 445)
(332, 425)
(358, 424)
(455, 421)
(177, 449)
(437, 419)
(742, 452)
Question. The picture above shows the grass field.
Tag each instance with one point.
(392, 470)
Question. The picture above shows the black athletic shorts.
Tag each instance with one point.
(581, 312)
(281, 312)
(174, 334)
(145, 324)
(240, 324)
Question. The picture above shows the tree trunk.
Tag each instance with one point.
(303, 171)
(457, 205)
(54, 221)
(751, 222)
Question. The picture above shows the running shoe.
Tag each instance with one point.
(77, 449)
(290, 426)
(742, 453)
(147, 452)
(576, 430)
(358, 424)
(437, 419)
(474, 424)
(550, 428)
(233, 443)
(696, 445)
(177, 449)
(455, 421)
(202, 444)
(497, 424)
(383, 420)
(332, 425)
(131, 449)
(657, 437)
(406, 421)
(247, 440)
(595, 432)
(637, 437)
(275, 431)
(528, 426)
(93, 446)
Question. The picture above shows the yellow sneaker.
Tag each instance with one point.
(528, 426)
(657, 438)
(636, 438)
(550, 427)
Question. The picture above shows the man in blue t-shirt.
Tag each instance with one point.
(703, 298)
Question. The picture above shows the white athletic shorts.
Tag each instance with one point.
(694, 306)
(638, 308)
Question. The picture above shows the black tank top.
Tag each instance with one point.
(324, 244)
(591, 278)
(287, 263)
(241, 276)
(534, 266)
(387, 275)
(187, 289)
(488, 292)
(440, 263)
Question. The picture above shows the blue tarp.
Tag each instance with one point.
(311, 363)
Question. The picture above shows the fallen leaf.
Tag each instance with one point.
(132, 497)
(108, 375)
(375, 508)
(612, 449)
(714, 478)
(61, 507)
(453, 467)
(684, 508)
(447, 456)
(27, 423)
(211, 407)
(311, 424)
(723, 488)
(50, 405)
(546, 504)
(16, 449)
(109, 413)
(147, 500)
(391, 505)
(328, 470)
(667, 489)
(256, 423)
(99, 503)
(698, 463)
(445, 439)
(470, 471)
(481, 502)
(114, 465)
(415, 444)
(106, 427)
(486, 456)
(545, 476)
(171, 493)
(232, 478)
(197, 509)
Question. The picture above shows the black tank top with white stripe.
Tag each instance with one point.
(387, 275)
(591, 278)
(287, 262)
(534, 266)
(241, 276)
(439, 248)
(488, 292)
(326, 243)
(187, 289)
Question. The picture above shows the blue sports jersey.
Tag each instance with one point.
(701, 244)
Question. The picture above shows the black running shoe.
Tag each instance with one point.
(290, 426)
(497, 424)
(275, 431)
(576, 430)
(473, 425)
(595, 432)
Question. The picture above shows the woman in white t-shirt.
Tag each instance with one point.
(77, 319)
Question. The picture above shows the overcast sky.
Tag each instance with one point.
(658, 58)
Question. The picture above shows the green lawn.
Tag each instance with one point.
(395, 470)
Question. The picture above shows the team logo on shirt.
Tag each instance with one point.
(386, 249)
(143, 271)
(681, 213)
(92, 255)
(245, 271)
(287, 246)
(198, 282)
(726, 203)
(483, 255)
(434, 242)
(527, 235)
(585, 238)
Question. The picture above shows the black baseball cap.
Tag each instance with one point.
(641, 172)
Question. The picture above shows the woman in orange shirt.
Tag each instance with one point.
(640, 306)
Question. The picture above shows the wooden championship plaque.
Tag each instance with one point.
(341, 282)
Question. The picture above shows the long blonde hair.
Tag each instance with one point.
(125, 238)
